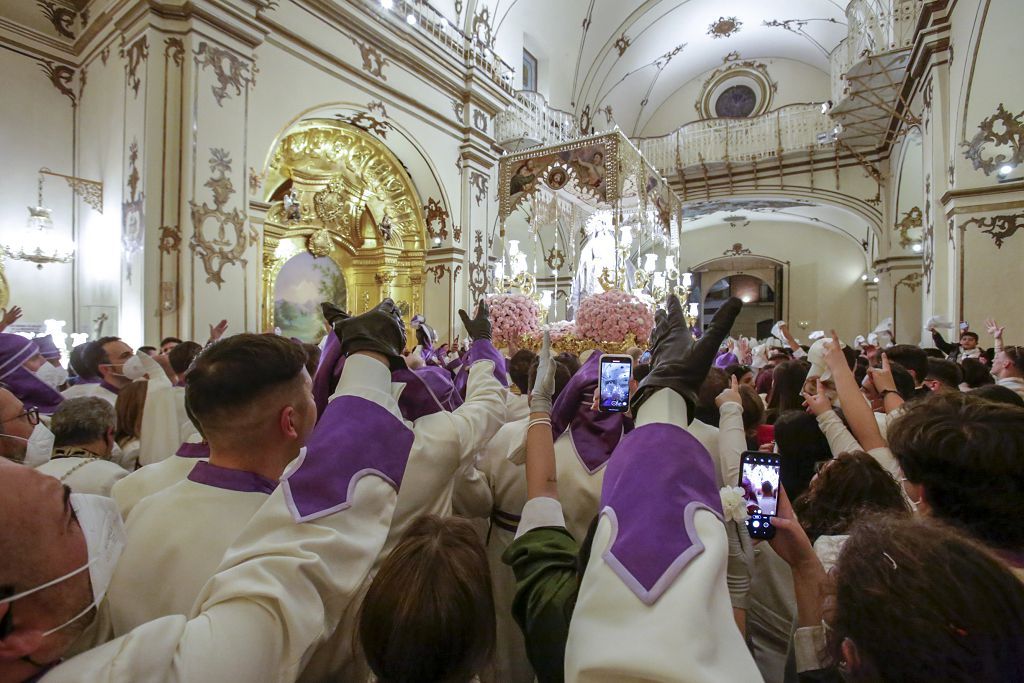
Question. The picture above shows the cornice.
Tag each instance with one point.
(35, 44)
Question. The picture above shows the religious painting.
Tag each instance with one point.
(736, 102)
(586, 165)
(304, 282)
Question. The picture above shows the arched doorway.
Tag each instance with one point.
(345, 220)
(759, 281)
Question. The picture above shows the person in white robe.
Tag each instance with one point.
(83, 430)
(284, 583)
(103, 359)
(256, 415)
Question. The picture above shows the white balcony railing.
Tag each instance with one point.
(797, 127)
(420, 16)
(875, 27)
(530, 122)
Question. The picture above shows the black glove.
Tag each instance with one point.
(333, 314)
(480, 326)
(677, 362)
(379, 330)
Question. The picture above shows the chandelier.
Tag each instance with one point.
(39, 243)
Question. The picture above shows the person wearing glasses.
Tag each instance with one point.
(16, 425)
(1008, 367)
(83, 430)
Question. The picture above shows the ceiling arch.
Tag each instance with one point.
(631, 55)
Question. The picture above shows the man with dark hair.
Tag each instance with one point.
(519, 369)
(253, 399)
(967, 348)
(963, 462)
(149, 350)
(168, 343)
(103, 358)
(83, 438)
(943, 375)
(915, 360)
(181, 357)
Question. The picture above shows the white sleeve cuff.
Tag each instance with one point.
(540, 512)
(809, 645)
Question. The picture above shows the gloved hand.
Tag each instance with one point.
(379, 330)
(480, 326)
(544, 385)
(333, 314)
(677, 362)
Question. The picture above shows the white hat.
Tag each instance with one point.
(859, 342)
(816, 335)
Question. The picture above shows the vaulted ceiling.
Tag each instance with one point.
(632, 55)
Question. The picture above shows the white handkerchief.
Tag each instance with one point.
(816, 335)
(816, 357)
(939, 322)
(777, 330)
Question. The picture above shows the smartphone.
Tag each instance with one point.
(760, 477)
(613, 383)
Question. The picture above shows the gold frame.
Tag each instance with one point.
(331, 159)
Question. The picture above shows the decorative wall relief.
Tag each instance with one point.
(477, 268)
(480, 120)
(374, 60)
(459, 108)
(255, 181)
(911, 220)
(134, 55)
(133, 222)
(479, 182)
(736, 89)
(999, 228)
(170, 239)
(911, 281)
(1003, 130)
(228, 68)
(168, 297)
(724, 27)
(456, 233)
(174, 48)
(105, 54)
(926, 97)
(437, 272)
(622, 44)
(437, 219)
(482, 30)
(61, 77)
(364, 121)
(377, 106)
(226, 245)
(737, 250)
(62, 17)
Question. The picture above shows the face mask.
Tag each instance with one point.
(52, 375)
(40, 446)
(133, 368)
(104, 541)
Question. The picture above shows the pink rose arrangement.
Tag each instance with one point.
(512, 317)
(612, 315)
(560, 330)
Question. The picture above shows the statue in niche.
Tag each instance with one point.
(292, 208)
(385, 228)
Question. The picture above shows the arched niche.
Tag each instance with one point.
(341, 194)
(760, 281)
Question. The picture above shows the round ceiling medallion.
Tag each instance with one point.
(741, 90)
(736, 101)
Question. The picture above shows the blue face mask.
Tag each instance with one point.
(104, 540)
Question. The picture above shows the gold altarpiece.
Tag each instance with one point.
(350, 200)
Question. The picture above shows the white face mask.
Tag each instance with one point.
(104, 541)
(40, 446)
(52, 375)
(133, 368)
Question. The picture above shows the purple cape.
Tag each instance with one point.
(34, 393)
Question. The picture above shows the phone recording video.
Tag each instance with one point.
(759, 479)
(616, 372)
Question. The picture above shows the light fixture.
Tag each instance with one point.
(916, 247)
(39, 243)
(875, 279)
(1005, 170)
(437, 241)
(387, 4)
(650, 262)
(687, 280)
(410, 19)
(692, 313)
(745, 298)
(864, 277)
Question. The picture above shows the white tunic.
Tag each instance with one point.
(85, 474)
(98, 390)
(148, 480)
(281, 587)
(204, 517)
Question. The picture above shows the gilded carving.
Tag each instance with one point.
(62, 18)
(228, 69)
(555, 258)
(482, 30)
(329, 203)
(105, 55)
(228, 243)
(622, 44)
(61, 77)
(134, 55)
(255, 181)
(477, 269)
(1004, 130)
(737, 250)
(479, 182)
(911, 219)
(724, 27)
(377, 106)
(374, 60)
(170, 239)
(436, 215)
(912, 281)
(438, 272)
(457, 233)
(320, 243)
(132, 213)
(999, 228)
(175, 49)
(364, 121)
(168, 297)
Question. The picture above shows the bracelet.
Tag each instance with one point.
(885, 392)
(539, 421)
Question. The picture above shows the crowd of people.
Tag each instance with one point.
(257, 508)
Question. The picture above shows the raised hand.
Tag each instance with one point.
(990, 324)
(819, 402)
(544, 386)
(834, 356)
(379, 330)
(333, 314)
(480, 326)
(11, 316)
(881, 377)
(217, 331)
(730, 395)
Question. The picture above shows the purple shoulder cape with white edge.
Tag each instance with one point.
(594, 434)
(481, 349)
(354, 438)
(660, 476)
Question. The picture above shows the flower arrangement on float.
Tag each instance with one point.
(513, 317)
(612, 321)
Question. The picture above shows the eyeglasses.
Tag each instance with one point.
(32, 415)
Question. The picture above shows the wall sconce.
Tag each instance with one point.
(38, 243)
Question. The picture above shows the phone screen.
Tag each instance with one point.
(759, 479)
(615, 374)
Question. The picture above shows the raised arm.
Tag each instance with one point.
(997, 334)
(541, 475)
(940, 343)
(732, 440)
(858, 413)
(840, 440)
(791, 340)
